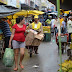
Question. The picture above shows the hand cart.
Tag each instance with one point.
(64, 41)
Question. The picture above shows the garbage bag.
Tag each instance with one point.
(8, 58)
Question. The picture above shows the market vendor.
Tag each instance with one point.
(37, 26)
(6, 31)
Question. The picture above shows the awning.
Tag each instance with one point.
(7, 10)
(37, 12)
(30, 12)
(26, 7)
(65, 4)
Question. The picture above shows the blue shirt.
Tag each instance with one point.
(5, 29)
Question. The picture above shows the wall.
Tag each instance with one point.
(14, 3)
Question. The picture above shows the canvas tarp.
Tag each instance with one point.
(6, 10)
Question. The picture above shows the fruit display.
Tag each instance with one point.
(46, 29)
(11, 29)
(48, 21)
(66, 66)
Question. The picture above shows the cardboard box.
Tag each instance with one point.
(29, 39)
(36, 42)
(33, 38)
(39, 36)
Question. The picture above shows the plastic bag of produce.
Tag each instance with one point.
(8, 58)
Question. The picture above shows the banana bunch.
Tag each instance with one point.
(63, 69)
(70, 70)
(11, 29)
(66, 66)
(48, 21)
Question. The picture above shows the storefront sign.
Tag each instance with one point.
(14, 3)
(18, 5)
(11, 2)
(3, 1)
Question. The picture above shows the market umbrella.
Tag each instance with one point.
(38, 12)
(21, 13)
(67, 12)
(28, 12)
(64, 4)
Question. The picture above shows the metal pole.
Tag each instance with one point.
(60, 52)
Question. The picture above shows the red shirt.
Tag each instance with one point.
(19, 33)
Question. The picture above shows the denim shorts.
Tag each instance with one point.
(17, 44)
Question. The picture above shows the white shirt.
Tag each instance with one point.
(56, 23)
(69, 26)
(52, 23)
(64, 24)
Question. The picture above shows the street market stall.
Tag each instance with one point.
(5, 11)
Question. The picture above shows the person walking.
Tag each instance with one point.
(56, 26)
(69, 27)
(18, 40)
(37, 26)
(52, 26)
(6, 31)
(64, 27)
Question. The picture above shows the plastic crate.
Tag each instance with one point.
(63, 38)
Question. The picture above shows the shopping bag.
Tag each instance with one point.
(8, 58)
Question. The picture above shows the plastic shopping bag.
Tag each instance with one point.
(8, 58)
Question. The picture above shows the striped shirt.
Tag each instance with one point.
(5, 29)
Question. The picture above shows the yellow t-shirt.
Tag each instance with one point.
(36, 26)
(61, 21)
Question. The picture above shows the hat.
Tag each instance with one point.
(65, 14)
(35, 17)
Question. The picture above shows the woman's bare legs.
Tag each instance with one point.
(16, 53)
(22, 50)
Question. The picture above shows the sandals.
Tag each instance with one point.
(21, 66)
(15, 69)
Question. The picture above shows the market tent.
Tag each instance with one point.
(21, 13)
(67, 12)
(65, 4)
(37, 12)
(27, 13)
(7, 10)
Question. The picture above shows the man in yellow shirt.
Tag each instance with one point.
(37, 26)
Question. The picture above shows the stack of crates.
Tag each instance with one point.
(47, 33)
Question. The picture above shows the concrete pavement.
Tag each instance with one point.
(47, 60)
